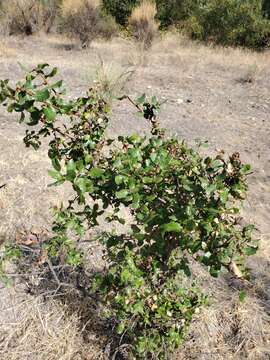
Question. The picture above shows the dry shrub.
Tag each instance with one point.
(81, 19)
(143, 24)
(28, 16)
(107, 27)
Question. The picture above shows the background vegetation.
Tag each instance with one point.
(229, 22)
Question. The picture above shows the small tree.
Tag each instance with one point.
(184, 209)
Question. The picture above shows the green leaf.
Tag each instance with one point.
(71, 166)
(224, 196)
(84, 184)
(246, 169)
(49, 114)
(42, 66)
(57, 84)
(251, 250)
(120, 328)
(119, 179)
(55, 175)
(188, 186)
(71, 170)
(96, 173)
(242, 296)
(138, 308)
(171, 227)
(34, 117)
(214, 271)
(52, 73)
(42, 95)
(122, 194)
(210, 189)
(141, 99)
(125, 276)
(217, 164)
(56, 164)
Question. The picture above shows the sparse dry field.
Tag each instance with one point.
(219, 95)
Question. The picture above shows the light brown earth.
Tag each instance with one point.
(215, 94)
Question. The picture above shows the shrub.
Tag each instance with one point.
(107, 27)
(143, 24)
(84, 19)
(173, 12)
(184, 207)
(266, 8)
(80, 19)
(29, 16)
(231, 22)
(120, 9)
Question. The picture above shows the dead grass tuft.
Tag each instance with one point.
(143, 24)
(111, 79)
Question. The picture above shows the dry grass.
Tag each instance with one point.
(73, 7)
(45, 331)
(250, 75)
(174, 49)
(143, 24)
(111, 79)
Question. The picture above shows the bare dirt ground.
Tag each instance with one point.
(219, 95)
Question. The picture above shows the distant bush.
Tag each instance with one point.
(172, 12)
(83, 19)
(142, 22)
(120, 9)
(80, 19)
(230, 22)
(107, 27)
(28, 16)
(266, 8)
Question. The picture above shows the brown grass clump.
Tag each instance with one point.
(28, 16)
(82, 19)
(143, 24)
